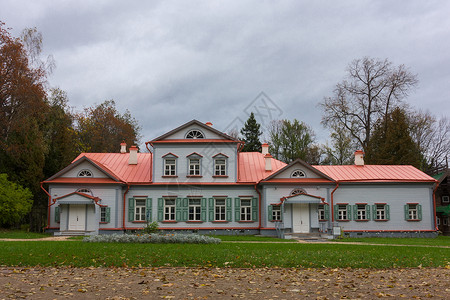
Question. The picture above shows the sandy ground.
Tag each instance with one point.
(222, 283)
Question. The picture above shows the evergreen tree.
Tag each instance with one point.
(251, 132)
(391, 143)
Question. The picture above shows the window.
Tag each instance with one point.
(105, 213)
(276, 212)
(220, 210)
(361, 212)
(170, 165)
(85, 173)
(220, 167)
(438, 221)
(298, 191)
(342, 212)
(413, 212)
(139, 210)
(194, 134)
(194, 166)
(195, 210)
(169, 209)
(246, 210)
(380, 212)
(445, 221)
(445, 199)
(298, 174)
(85, 191)
(323, 212)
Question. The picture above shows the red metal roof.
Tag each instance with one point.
(377, 173)
(252, 167)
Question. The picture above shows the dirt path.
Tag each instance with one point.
(222, 283)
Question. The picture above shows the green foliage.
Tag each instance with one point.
(251, 132)
(21, 234)
(15, 201)
(391, 143)
(341, 150)
(292, 140)
(439, 241)
(152, 227)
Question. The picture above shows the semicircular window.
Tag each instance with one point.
(195, 134)
(298, 174)
(85, 191)
(85, 173)
(297, 192)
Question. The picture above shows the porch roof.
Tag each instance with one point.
(303, 198)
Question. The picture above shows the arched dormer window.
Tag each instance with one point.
(195, 134)
(298, 174)
(85, 191)
(85, 173)
(297, 192)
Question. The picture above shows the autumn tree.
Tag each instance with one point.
(371, 90)
(102, 128)
(251, 132)
(291, 140)
(391, 142)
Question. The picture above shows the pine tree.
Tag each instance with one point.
(251, 132)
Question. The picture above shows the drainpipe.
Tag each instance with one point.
(124, 201)
(49, 204)
(259, 206)
(434, 206)
(332, 202)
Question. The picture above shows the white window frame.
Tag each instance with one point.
(413, 212)
(85, 191)
(380, 211)
(140, 211)
(170, 169)
(321, 211)
(438, 221)
(297, 191)
(103, 214)
(298, 174)
(194, 167)
(342, 212)
(276, 212)
(445, 221)
(85, 173)
(246, 210)
(220, 169)
(195, 134)
(445, 199)
(169, 209)
(220, 210)
(194, 209)
(361, 214)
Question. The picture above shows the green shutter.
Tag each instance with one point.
(237, 209)
(185, 214)
(211, 209)
(368, 211)
(179, 210)
(386, 208)
(228, 210)
(130, 209)
(326, 208)
(419, 211)
(355, 212)
(148, 207)
(57, 214)
(374, 212)
(160, 209)
(406, 206)
(349, 212)
(336, 213)
(203, 210)
(270, 213)
(254, 209)
(107, 214)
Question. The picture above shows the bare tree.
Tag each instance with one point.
(372, 89)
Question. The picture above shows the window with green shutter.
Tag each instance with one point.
(269, 212)
(254, 209)
(413, 212)
(149, 209)
(181, 209)
(323, 212)
(203, 210)
(361, 212)
(57, 217)
(327, 211)
(130, 209)
(160, 209)
(380, 212)
(237, 209)
(105, 214)
(211, 209)
(342, 212)
(274, 213)
(228, 210)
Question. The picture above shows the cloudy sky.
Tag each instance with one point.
(172, 61)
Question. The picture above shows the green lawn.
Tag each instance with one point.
(80, 254)
(250, 238)
(18, 234)
(439, 241)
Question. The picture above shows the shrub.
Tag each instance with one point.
(176, 238)
(151, 227)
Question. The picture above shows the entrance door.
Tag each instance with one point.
(77, 217)
(300, 217)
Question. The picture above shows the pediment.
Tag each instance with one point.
(298, 171)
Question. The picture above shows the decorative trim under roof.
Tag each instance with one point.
(304, 164)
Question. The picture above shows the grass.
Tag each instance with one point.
(250, 238)
(19, 234)
(439, 241)
(80, 254)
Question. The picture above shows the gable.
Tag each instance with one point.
(298, 171)
(86, 165)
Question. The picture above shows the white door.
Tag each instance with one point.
(77, 217)
(300, 217)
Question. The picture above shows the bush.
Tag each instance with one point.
(176, 238)
(151, 228)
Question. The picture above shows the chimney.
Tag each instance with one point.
(209, 124)
(268, 159)
(133, 160)
(359, 158)
(265, 149)
(123, 147)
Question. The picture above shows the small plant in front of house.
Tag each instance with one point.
(175, 238)
(151, 228)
